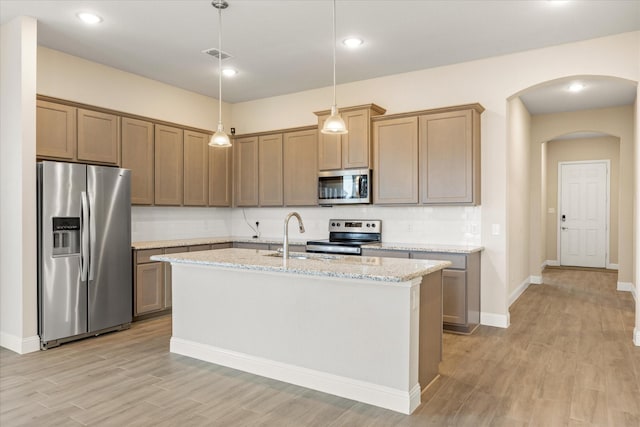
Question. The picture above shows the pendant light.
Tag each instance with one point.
(220, 138)
(334, 125)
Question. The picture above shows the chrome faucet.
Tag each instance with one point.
(285, 243)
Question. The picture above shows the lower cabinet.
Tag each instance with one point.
(152, 279)
(460, 286)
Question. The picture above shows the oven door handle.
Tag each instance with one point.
(349, 250)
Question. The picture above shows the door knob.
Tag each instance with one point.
(564, 228)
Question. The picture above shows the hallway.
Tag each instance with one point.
(566, 360)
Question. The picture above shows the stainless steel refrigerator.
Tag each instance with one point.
(84, 251)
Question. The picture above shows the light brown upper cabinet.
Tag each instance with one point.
(301, 168)
(196, 168)
(168, 165)
(352, 150)
(450, 157)
(395, 161)
(270, 170)
(245, 154)
(65, 132)
(98, 137)
(220, 189)
(137, 155)
(55, 130)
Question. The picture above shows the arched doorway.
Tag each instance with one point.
(537, 117)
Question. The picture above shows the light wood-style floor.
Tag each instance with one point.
(566, 360)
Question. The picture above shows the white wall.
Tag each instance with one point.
(75, 79)
(18, 281)
(518, 188)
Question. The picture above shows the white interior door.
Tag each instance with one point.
(583, 214)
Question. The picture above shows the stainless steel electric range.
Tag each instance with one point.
(347, 236)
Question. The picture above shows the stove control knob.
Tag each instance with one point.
(333, 224)
(373, 225)
(338, 224)
(368, 225)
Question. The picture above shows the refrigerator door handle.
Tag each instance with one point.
(84, 230)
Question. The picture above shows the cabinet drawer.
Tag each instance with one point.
(458, 261)
(176, 250)
(385, 253)
(143, 256)
(196, 248)
(292, 248)
(221, 245)
(251, 245)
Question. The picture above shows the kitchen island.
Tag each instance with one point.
(364, 328)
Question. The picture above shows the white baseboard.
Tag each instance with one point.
(535, 280)
(636, 337)
(627, 287)
(551, 263)
(612, 266)
(19, 345)
(519, 290)
(496, 320)
(386, 397)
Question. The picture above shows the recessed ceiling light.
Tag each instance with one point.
(557, 2)
(576, 87)
(229, 72)
(89, 18)
(352, 42)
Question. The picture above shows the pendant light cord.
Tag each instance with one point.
(334, 55)
(219, 68)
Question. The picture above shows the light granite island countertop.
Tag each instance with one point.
(364, 328)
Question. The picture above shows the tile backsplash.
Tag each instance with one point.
(459, 225)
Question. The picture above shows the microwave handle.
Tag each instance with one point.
(362, 186)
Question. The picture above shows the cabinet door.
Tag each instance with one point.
(98, 137)
(246, 171)
(395, 161)
(220, 190)
(196, 168)
(55, 130)
(270, 170)
(301, 168)
(137, 155)
(454, 297)
(447, 167)
(329, 148)
(168, 165)
(149, 287)
(356, 144)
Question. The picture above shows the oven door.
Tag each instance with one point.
(326, 247)
(350, 186)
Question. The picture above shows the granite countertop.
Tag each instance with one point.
(340, 266)
(159, 244)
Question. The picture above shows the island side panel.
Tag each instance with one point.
(430, 328)
(359, 330)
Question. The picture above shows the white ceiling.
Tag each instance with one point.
(285, 46)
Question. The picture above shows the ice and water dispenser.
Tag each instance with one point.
(66, 236)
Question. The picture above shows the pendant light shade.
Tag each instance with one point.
(220, 138)
(334, 125)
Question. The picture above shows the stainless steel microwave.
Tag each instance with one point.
(347, 186)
